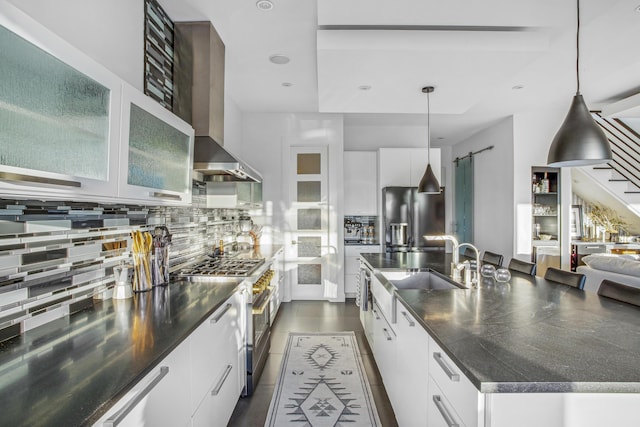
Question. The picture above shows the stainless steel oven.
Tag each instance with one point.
(258, 337)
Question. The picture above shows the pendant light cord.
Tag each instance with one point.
(578, 49)
(428, 130)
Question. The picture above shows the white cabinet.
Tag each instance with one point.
(461, 394)
(360, 183)
(59, 115)
(229, 195)
(384, 349)
(156, 156)
(440, 412)
(352, 266)
(160, 399)
(404, 167)
(412, 370)
(213, 367)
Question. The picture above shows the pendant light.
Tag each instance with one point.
(429, 183)
(579, 141)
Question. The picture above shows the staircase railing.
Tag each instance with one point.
(625, 146)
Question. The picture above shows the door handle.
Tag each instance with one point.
(222, 313)
(218, 387)
(116, 418)
(409, 320)
(444, 411)
(447, 370)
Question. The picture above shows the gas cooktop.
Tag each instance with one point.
(226, 267)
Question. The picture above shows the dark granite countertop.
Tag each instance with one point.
(529, 335)
(71, 371)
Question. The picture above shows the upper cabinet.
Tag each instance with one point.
(59, 115)
(241, 195)
(71, 129)
(404, 167)
(360, 183)
(156, 154)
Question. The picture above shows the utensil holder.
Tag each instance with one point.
(141, 272)
(161, 266)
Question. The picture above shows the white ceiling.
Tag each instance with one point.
(473, 52)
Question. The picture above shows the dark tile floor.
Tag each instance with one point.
(310, 316)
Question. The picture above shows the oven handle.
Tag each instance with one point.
(265, 303)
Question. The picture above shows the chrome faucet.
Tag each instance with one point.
(455, 272)
(455, 263)
(468, 279)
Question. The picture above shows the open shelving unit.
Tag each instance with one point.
(545, 208)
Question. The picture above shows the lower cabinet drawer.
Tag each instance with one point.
(441, 412)
(457, 388)
(211, 346)
(218, 405)
(160, 398)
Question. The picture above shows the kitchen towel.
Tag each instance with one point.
(322, 382)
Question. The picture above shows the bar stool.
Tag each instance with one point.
(492, 258)
(569, 278)
(522, 266)
(619, 292)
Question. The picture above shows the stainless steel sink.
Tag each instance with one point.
(419, 280)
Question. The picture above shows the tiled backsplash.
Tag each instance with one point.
(56, 257)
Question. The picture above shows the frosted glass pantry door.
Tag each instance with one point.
(59, 115)
(306, 248)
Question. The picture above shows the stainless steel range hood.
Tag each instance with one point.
(217, 164)
(199, 100)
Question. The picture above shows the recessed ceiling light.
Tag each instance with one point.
(440, 138)
(264, 5)
(364, 87)
(517, 87)
(638, 9)
(287, 84)
(279, 59)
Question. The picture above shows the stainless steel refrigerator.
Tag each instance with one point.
(417, 213)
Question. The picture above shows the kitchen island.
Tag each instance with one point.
(71, 371)
(526, 341)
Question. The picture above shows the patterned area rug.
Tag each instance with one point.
(322, 382)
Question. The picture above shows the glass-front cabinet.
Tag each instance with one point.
(71, 129)
(59, 115)
(156, 156)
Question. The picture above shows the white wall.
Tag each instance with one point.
(110, 32)
(493, 220)
(372, 137)
(266, 139)
(533, 133)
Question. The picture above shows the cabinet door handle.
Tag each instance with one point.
(222, 313)
(387, 334)
(218, 386)
(116, 418)
(409, 320)
(160, 195)
(18, 177)
(447, 370)
(444, 411)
